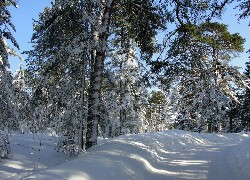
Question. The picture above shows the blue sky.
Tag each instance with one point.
(241, 27)
(29, 9)
(22, 19)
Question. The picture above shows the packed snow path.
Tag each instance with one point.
(165, 155)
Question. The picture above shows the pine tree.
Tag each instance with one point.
(22, 99)
(124, 16)
(156, 111)
(198, 63)
(132, 95)
(123, 95)
(58, 65)
(8, 112)
(109, 119)
(85, 28)
(235, 115)
(244, 8)
(246, 101)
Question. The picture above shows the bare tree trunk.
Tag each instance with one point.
(82, 106)
(94, 100)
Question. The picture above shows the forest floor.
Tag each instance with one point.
(171, 154)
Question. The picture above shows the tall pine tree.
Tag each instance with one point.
(8, 111)
(246, 102)
(244, 8)
(197, 62)
(58, 62)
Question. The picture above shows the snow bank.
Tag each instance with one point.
(241, 158)
(170, 155)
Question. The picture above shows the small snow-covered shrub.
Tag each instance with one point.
(68, 146)
(5, 151)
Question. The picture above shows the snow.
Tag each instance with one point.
(171, 154)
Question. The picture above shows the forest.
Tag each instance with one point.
(96, 69)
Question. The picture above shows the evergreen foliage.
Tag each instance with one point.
(196, 66)
(244, 8)
(57, 62)
(55, 69)
(88, 70)
(246, 102)
(22, 100)
(5, 150)
(159, 112)
(8, 94)
(124, 97)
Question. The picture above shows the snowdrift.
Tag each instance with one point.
(172, 154)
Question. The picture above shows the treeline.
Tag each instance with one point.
(92, 63)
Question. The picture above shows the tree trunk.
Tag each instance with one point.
(82, 106)
(231, 121)
(100, 32)
(94, 100)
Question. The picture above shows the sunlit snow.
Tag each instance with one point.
(171, 154)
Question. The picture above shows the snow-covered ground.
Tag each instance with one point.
(172, 154)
